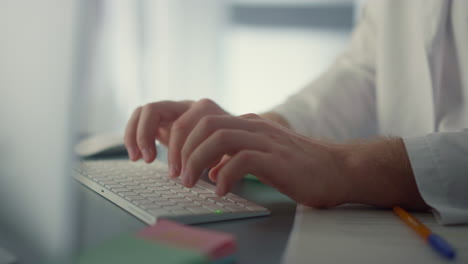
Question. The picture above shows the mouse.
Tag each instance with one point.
(101, 144)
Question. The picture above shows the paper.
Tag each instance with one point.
(165, 242)
(364, 234)
(132, 249)
(216, 245)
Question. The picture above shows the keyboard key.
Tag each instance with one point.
(202, 202)
(97, 177)
(179, 190)
(158, 212)
(234, 198)
(227, 204)
(119, 190)
(200, 190)
(125, 182)
(168, 185)
(165, 203)
(195, 198)
(124, 194)
(150, 194)
(206, 185)
(164, 192)
(112, 186)
(208, 195)
(172, 196)
(136, 187)
(134, 197)
(190, 194)
(234, 208)
(144, 181)
(180, 212)
(150, 206)
(218, 199)
(180, 200)
(119, 177)
(213, 207)
(107, 182)
(198, 210)
(157, 198)
(173, 207)
(188, 204)
(157, 188)
(141, 202)
(141, 191)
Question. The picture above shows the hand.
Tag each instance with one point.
(170, 123)
(308, 171)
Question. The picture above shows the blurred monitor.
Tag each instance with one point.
(39, 74)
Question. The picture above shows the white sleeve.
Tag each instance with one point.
(340, 104)
(440, 166)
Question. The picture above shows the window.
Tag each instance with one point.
(247, 55)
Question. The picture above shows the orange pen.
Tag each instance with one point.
(435, 241)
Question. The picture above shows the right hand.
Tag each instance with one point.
(169, 122)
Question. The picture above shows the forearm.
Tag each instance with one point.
(380, 171)
(381, 174)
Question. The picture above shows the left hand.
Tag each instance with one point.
(310, 172)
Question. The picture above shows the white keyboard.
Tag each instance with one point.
(146, 191)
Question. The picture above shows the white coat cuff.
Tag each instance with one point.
(430, 183)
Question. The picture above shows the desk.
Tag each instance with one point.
(259, 240)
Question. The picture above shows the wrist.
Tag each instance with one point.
(371, 169)
(354, 169)
(366, 168)
(346, 163)
(380, 174)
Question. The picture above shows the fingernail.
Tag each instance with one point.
(185, 180)
(219, 190)
(212, 175)
(173, 171)
(146, 154)
(131, 153)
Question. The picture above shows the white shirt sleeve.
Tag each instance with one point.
(440, 166)
(340, 104)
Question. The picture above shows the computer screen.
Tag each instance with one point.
(39, 68)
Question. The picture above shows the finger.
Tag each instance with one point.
(220, 143)
(164, 133)
(169, 111)
(182, 128)
(154, 117)
(242, 163)
(130, 136)
(213, 174)
(146, 132)
(251, 116)
(208, 125)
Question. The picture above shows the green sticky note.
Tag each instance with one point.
(251, 177)
(132, 249)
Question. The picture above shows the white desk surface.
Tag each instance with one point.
(364, 234)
